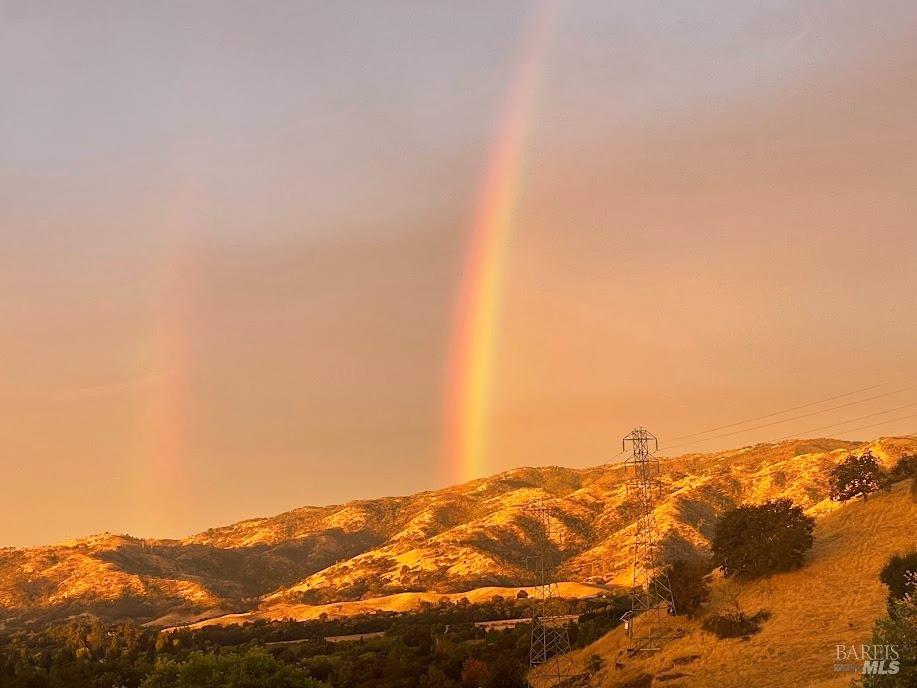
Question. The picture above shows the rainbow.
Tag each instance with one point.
(474, 333)
(159, 485)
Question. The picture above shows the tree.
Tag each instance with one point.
(856, 476)
(593, 665)
(689, 586)
(905, 468)
(435, 678)
(899, 630)
(475, 673)
(506, 672)
(898, 574)
(754, 541)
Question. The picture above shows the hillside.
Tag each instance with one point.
(447, 541)
(833, 599)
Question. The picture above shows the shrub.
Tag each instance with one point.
(754, 541)
(857, 476)
(734, 624)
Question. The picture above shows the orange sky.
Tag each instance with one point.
(230, 245)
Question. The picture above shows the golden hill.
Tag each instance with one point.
(832, 600)
(441, 542)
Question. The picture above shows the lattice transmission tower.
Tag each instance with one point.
(550, 640)
(648, 623)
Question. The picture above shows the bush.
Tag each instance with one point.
(734, 624)
(754, 541)
(857, 476)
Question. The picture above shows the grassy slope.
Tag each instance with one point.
(833, 599)
(400, 602)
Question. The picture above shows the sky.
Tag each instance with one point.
(234, 238)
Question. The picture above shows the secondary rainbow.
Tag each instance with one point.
(475, 329)
(159, 473)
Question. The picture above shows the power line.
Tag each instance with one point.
(858, 418)
(853, 420)
(884, 422)
(775, 413)
(620, 453)
(787, 420)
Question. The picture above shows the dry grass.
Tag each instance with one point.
(400, 602)
(832, 600)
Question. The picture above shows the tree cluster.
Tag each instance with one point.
(431, 648)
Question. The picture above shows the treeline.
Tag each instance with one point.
(435, 581)
(437, 616)
(438, 646)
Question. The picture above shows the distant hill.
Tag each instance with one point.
(445, 541)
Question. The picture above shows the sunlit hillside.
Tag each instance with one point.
(402, 550)
(834, 599)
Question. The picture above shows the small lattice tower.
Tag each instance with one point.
(648, 623)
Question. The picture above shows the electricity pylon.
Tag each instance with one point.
(550, 640)
(647, 623)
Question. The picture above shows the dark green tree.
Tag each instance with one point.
(755, 541)
(898, 574)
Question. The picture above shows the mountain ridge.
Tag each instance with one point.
(442, 541)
